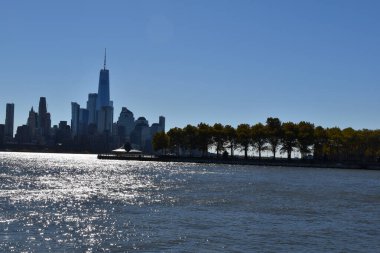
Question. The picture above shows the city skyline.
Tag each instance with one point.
(197, 61)
(92, 128)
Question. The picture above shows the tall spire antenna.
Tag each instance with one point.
(105, 57)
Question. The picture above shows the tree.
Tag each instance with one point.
(289, 138)
(190, 138)
(204, 137)
(230, 134)
(259, 137)
(243, 133)
(371, 144)
(219, 137)
(305, 137)
(350, 143)
(334, 147)
(176, 137)
(273, 127)
(160, 142)
(320, 142)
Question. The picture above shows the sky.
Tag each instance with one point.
(196, 61)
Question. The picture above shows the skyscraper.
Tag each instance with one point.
(162, 123)
(126, 122)
(91, 107)
(2, 129)
(32, 122)
(75, 119)
(83, 121)
(44, 122)
(105, 119)
(103, 98)
(104, 107)
(9, 121)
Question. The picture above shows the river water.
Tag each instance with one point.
(76, 203)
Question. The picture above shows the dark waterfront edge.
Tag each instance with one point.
(237, 161)
(214, 160)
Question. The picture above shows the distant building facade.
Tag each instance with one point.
(32, 123)
(44, 121)
(23, 134)
(105, 119)
(104, 106)
(2, 130)
(91, 107)
(9, 121)
(142, 134)
(125, 124)
(83, 121)
(75, 108)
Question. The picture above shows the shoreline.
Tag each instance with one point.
(309, 163)
(251, 161)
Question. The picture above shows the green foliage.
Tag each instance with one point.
(259, 137)
(305, 137)
(176, 137)
(219, 137)
(323, 143)
(191, 141)
(274, 131)
(320, 141)
(243, 133)
(230, 134)
(204, 137)
(160, 141)
(350, 143)
(289, 138)
(335, 143)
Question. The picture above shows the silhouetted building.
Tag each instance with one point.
(141, 134)
(32, 123)
(9, 121)
(75, 119)
(154, 129)
(48, 123)
(103, 98)
(2, 130)
(83, 121)
(105, 119)
(91, 107)
(161, 122)
(125, 124)
(103, 104)
(44, 121)
(63, 133)
(63, 125)
(23, 134)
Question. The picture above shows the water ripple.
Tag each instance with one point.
(76, 203)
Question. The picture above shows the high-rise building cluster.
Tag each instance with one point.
(36, 131)
(92, 128)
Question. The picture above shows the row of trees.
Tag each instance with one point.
(321, 143)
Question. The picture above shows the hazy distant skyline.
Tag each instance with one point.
(196, 61)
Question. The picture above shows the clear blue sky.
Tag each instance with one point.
(197, 61)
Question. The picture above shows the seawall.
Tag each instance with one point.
(239, 161)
